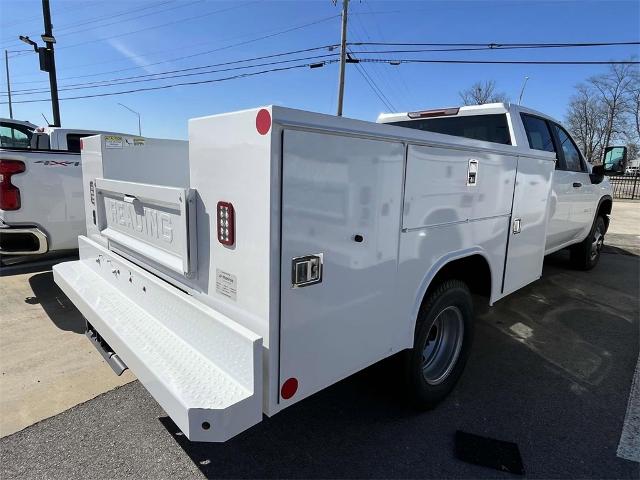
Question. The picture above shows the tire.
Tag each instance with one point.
(442, 343)
(585, 255)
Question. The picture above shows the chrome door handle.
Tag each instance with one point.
(577, 184)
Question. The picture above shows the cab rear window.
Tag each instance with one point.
(490, 128)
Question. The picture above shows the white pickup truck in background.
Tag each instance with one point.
(41, 206)
(287, 250)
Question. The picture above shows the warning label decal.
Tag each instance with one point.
(113, 141)
(226, 284)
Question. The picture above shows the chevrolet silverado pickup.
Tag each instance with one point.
(290, 249)
(41, 207)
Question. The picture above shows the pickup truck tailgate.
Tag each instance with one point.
(203, 368)
(152, 223)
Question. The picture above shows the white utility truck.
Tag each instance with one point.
(41, 199)
(292, 249)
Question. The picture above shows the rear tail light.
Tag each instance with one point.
(9, 193)
(226, 224)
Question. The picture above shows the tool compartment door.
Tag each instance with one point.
(154, 224)
(528, 229)
(341, 202)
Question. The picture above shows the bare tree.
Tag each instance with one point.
(604, 111)
(586, 119)
(633, 105)
(482, 92)
(613, 88)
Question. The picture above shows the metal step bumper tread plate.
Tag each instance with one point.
(203, 368)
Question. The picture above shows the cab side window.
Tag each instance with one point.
(571, 154)
(13, 137)
(538, 133)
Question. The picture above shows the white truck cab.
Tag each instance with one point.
(291, 249)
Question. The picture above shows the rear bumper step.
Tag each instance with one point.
(204, 369)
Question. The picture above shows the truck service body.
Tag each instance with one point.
(41, 207)
(291, 249)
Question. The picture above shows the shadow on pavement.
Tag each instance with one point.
(10, 266)
(550, 371)
(55, 303)
(333, 433)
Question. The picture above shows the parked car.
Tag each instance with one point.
(41, 207)
(291, 249)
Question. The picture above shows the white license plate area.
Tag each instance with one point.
(149, 222)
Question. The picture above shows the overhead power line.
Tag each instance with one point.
(38, 18)
(310, 64)
(152, 27)
(454, 49)
(499, 45)
(84, 22)
(313, 59)
(181, 70)
(181, 84)
(224, 47)
(398, 61)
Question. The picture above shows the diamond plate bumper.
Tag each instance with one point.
(203, 368)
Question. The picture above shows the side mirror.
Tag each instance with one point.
(615, 159)
(597, 174)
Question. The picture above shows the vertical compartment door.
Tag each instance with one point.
(341, 202)
(528, 230)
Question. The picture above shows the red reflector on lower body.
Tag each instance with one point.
(289, 388)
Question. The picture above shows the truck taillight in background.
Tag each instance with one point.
(9, 193)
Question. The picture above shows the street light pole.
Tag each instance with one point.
(524, 84)
(343, 55)
(6, 64)
(53, 81)
(138, 114)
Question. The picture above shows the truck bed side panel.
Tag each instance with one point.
(342, 200)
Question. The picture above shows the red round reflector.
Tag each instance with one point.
(289, 388)
(263, 121)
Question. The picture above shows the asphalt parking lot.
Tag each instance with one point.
(551, 370)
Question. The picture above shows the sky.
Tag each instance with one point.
(104, 40)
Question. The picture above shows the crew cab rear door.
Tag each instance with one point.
(528, 230)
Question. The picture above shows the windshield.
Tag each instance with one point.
(15, 136)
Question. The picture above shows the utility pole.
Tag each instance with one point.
(6, 64)
(49, 40)
(343, 55)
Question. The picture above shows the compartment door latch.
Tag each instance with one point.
(472, 173)
(306, 270)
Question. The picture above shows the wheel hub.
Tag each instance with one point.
(442, 346)
(597, 244)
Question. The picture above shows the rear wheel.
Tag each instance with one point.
(442, 343)
(586, 254)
